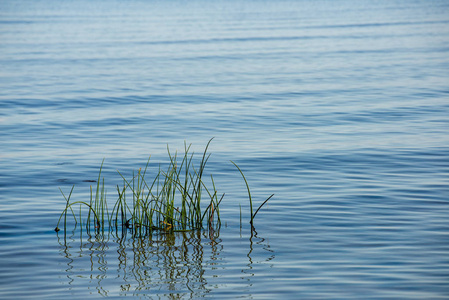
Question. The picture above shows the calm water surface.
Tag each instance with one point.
(339, 108)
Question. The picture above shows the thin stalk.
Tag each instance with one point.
(240, 215)
(249, 193)
(262, 205)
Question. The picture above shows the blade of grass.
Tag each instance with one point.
(249, 193)
(262, 205)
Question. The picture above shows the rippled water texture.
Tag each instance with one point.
(339, 108)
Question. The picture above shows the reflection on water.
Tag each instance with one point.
(166, 264)
(254, 238)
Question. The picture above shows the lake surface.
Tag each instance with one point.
(339, 108)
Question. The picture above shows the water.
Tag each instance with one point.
(339, 108)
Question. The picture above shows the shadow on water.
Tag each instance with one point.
(167, 264)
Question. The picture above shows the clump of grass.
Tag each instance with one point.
(179, 198)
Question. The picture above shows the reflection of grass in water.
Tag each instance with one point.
(168, 263)
(171, 201)
(164, 264)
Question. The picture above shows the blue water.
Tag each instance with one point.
(339, 108)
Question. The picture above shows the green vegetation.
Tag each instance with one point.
(252, 215)
(179, 198)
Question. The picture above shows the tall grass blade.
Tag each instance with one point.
(249, 193)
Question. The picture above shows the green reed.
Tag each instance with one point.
(178, 198)
(252, 215)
